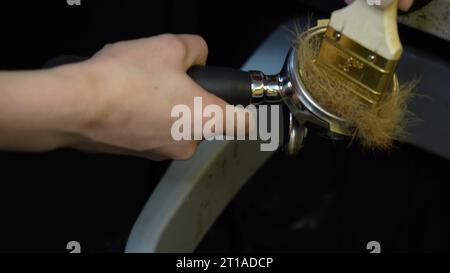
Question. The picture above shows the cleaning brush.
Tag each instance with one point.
(349, 70)
(362, 45)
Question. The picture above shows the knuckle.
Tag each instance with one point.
(175, 45)
(110, 50)
(201, 42)
(108, 46)
(114, 46)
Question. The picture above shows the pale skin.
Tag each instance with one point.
(119, 101)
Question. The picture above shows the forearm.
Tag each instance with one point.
(120, 101)
(41, 110)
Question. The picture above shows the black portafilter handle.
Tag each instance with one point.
(231, 85)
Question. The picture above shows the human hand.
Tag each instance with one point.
(135, 86)
(403, 5)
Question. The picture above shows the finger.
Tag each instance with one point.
(196, 50)
(405, 5)
(243, 120)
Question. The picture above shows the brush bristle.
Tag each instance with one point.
(376, 126)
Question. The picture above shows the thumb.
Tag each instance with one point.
(229, 120)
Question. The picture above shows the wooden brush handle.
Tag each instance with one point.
(372, 27)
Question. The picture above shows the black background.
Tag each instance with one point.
(353, 196)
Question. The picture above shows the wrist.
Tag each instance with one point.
(45, 109)
(75, 104)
